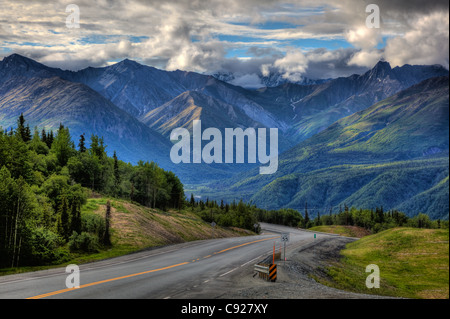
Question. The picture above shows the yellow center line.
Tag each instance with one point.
(140, 273)
(252, 242)
(104, 281)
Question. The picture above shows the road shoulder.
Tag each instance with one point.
(294, 279)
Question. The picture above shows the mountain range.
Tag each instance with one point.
(322, 124)
(272, 79)
(393, 154)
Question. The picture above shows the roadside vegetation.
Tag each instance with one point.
(45, 183)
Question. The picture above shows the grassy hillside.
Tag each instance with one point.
(135, 227)
(413, 263)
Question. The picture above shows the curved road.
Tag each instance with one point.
(160, 273)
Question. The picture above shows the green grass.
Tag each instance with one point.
(413, 263)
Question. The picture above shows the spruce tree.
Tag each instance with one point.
(192, 201)
(81, 144)
(75, 224)
(116, 174)
(62, 146)
(50, 139)
(64, 222)
(44, 136)
(107, 236)
(27, 136)
(306, 215)
(23, 132)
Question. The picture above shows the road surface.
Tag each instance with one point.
(162, 273)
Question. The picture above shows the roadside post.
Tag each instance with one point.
(273, 255)
(284, 240)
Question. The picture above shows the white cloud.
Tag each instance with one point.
(197, 35)
(366, 58)
(363, 37)
(251, 81)
(292, 66)
(426, 43)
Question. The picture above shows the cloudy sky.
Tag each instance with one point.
(298, 38)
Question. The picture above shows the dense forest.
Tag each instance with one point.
(44, 181)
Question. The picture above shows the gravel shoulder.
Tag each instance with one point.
(294, 275)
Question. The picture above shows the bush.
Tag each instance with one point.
(94, 224)
(84, 242)
(420, 221)
(44, 245)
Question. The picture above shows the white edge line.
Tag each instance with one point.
(228, 272)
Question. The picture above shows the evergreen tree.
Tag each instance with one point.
(50, 139)
(21, 126)
(116, 174)
(37, 145)
(44, 136)
(75, 224)
(81, 144)
(306, 215)
(107, 236)
(62, 146)
(346, 214)
(64, 221)
(192, 202)
(23, 131)
(97, 147)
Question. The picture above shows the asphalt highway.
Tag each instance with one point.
(160, 273)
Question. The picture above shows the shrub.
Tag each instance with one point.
(84, 242)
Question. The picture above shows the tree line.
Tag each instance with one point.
(374, 220)
(246, 215)
(235, 214)
(44, 181)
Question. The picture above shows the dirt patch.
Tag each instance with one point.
(358, 232)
